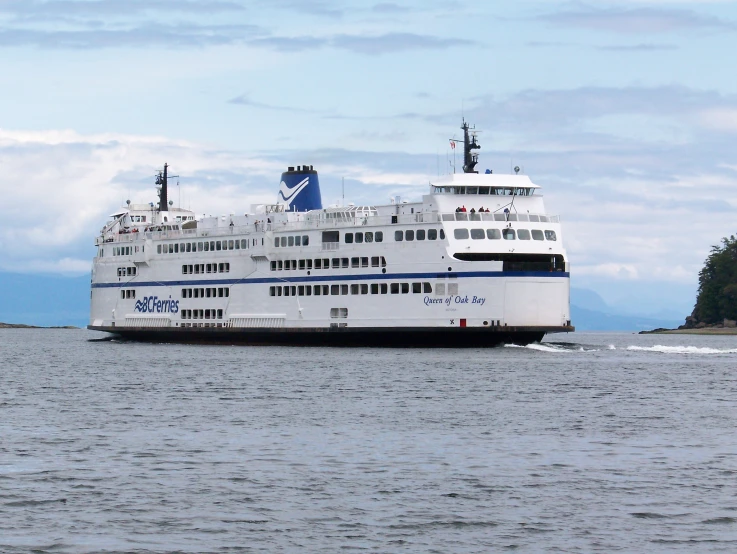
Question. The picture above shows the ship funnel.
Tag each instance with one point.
(299, 190)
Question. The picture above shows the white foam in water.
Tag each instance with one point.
(550, 348)
(682, 349)
(612, 347)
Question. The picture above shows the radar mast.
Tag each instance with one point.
(470, 158)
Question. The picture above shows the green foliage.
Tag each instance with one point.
(717, 297)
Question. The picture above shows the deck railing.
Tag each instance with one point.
(360, 221)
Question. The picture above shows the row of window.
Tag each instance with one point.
(419, 234)
(122, 250)
(127, 294)
(325, 263)
(356, 288)
(126, 271)
(201, 314)
(190, 324)
(138, 218)
(507, 234)
(204, 246)
(219, 292)
(292, 240)
(495, 191)
(196, 269)
(368, 236)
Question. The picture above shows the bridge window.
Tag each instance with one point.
(420, 234)
(493, 234)
(398, 236)
(355, 262)
(379, 236)
(478, 234)
(331, 236)
(409, 235)
(537, 234)
(460, 234)
(290, 240)
(523, 234)
(508, 234)
(359, 238)
(550, 235)
(432, 234)
(369, 236)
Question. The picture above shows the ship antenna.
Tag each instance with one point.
(162, 180)
(470, 158)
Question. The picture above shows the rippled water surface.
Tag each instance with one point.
(585, 443)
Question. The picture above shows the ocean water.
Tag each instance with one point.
(585, 443)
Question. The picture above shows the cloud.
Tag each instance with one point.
(633, 207)
(245, 100)
(552, 110)
(719, 119)
(44, 10)
(643, 20)
(170, 36)
(389, 8)
(56, 213)
(290, 44)
(637, 47)
(395, 42)
(361, 44)
(316, 8)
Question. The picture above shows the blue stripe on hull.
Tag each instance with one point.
(331, 278)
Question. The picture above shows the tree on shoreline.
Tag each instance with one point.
(717, 295)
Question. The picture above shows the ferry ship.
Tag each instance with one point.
(475, 263)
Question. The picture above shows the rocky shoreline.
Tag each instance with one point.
(23, 326)
(692, 327)
(679, 331)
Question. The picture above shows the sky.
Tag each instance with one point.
(624, 111)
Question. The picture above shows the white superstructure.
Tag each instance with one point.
(476, 262)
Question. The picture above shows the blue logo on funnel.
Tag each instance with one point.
(299, 190)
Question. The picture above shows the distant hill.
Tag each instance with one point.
(589, 312)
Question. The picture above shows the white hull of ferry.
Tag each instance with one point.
(403, 274)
